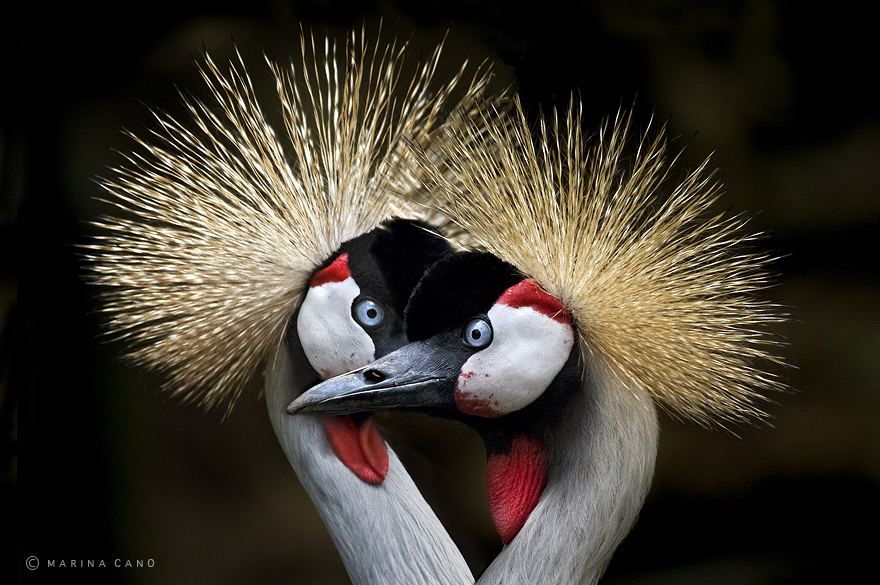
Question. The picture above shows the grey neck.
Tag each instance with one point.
(386, 534)
(601, 461)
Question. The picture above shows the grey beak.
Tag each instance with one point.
(418, 375)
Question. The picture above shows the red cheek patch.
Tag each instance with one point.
(470, 403)
(527, 293)
(336, 272)
(515, 481)
(360, 448)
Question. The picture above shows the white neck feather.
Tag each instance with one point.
(601, 461)
(386, 534)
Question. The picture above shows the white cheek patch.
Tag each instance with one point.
(333, 342)
(528, 350)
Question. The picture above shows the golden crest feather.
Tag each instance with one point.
(223, 217)
(663, 296)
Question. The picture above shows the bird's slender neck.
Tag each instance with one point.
(386, 534)
(600, 456)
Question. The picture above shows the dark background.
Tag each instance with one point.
(97, 465)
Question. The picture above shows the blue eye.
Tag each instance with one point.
(369, 313)
(477, 333)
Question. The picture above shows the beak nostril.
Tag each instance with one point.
(372, 376)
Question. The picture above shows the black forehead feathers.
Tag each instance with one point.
(455, 289)
(388, 262)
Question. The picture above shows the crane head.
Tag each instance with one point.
(352, 314)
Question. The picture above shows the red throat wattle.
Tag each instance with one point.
(359, 446)
(515, 481)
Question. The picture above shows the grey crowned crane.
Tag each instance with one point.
(593, 301)
(237, 248)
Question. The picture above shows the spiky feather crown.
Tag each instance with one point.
(663, 297)
(225, 218)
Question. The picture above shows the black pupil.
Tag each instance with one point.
(371, 313)
(475, 334)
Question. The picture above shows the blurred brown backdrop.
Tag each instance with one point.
(99, 466)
